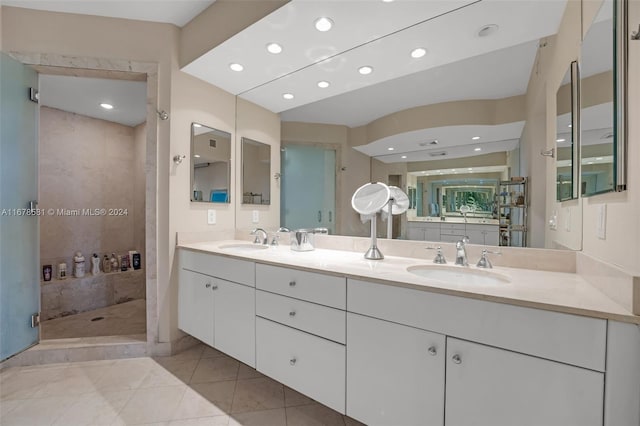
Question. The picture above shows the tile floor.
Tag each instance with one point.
(123, 319)
(199, 386)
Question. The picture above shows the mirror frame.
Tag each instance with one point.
(192, 166)
(576, 155)
(621, 62)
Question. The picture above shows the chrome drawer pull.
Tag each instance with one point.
(208, 285)
(215, 287)
(432, 351)
(292, 313)
(456, 359)
(292, 283)
(292, 361)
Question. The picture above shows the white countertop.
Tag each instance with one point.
(555, 291)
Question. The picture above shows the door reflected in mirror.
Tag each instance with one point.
(597, 142)
(256, 169)
(210, 164)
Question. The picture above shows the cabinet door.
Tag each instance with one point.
(395, 373)
(415, 232)
(195, 305)
(234, 314)
(493, 387)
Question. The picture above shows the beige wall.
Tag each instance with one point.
(622, 244)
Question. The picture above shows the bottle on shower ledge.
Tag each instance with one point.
(106, 264)
(115, 265)
(78, 265)
(95, 264)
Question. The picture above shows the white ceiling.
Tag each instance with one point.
(83, 95)
(177, 12)
(383, 40)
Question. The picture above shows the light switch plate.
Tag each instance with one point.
(211, 217)
(255, 216)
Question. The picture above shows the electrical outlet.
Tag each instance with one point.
(255, 216)
(211, 217)
(601, 222)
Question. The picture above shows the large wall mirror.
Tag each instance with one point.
(256, 169)
(210, 164)
(602, 136)
(567, 131)
(463, 120)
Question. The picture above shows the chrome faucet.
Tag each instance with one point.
(265, 237)
(484, 261)
(461, 251)
(276, 235)
(439, 259)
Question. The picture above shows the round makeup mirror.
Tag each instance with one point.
(400, 200)
(370, 198)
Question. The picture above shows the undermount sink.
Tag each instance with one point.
(458, 274)
(243, 247)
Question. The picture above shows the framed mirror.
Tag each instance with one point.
(602, 69)
(567, 132)
(210, 164)
(256, 171)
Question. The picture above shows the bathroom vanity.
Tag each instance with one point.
(385, 345)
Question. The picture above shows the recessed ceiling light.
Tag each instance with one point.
(598, 158)
(441, 173)
(274, 48)
(365, 70)
(475, 138)
(403, 157)
(323, 24)
(453, 170)
(390, 148)
(477, 149)
(106, 106)
(560, 140)
(323, 84)
(387, 1)
(470, 168)
(197, 125)
(196, 155)
(418, 53)
(590, 162)
(569, 125)
(236, 67)
(287, 96)
(487, 30)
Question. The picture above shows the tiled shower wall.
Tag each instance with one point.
(86, 163)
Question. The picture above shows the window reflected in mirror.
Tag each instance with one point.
(256, 168)
(597, 105)
(210, 164)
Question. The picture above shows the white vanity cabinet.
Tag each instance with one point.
(300, 331)
(495, 387)
(449, 232)
(219, 312)
(395, 373)
(515, 365)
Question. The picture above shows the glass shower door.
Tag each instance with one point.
(19, 234)
(308, 193)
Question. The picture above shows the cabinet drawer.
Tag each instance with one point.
(561, 337)
(306, 363)
(316, 319)
(239, 271)
(313, 287)
(452, 228)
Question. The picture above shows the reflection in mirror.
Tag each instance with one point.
(256, 168)
(566, 145)
(210, 164)
(597, 141)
